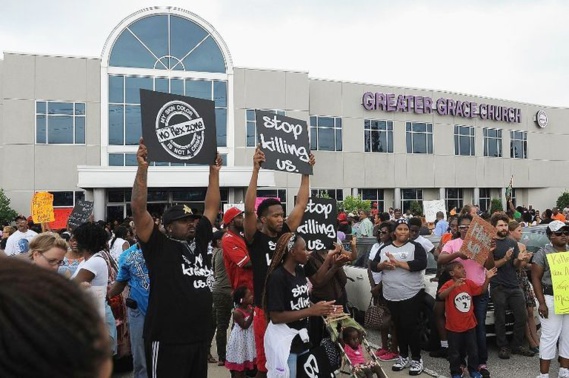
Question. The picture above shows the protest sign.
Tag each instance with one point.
(477, 242)
(178, 128)
(431, 208)
(313, 364)
(42, 207)
(318, 226)
(61, 217)
(80, 214)
(559, 267)
(284, 140)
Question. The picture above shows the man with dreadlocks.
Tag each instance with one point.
(262, 243)
(176, 332)
(286, 302)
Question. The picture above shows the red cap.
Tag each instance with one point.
(230, 214)
(342, 217)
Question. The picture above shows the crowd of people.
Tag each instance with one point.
(162, 290)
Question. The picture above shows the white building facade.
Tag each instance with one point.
(71, 125)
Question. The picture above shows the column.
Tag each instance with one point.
(99, 202)
(397, 198)
(442, 194)
(476, 196)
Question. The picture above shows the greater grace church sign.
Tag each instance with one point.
(389, 102)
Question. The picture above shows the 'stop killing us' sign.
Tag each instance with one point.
(284, 140)
(178, 128)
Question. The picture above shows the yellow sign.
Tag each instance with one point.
(559, 267)
(42, 207)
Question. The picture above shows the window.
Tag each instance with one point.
(378, 136)
(464, 140)
(167, 42)
(125, 125)
(485, 199)
(454, 198)
(492, 142)
(419, 138)
(375, 196)
(410, 195)
(252, 138)
(67, 198)
(325, 133)
(274, 193)
(60, 122)
(519, 144)
(337, 194)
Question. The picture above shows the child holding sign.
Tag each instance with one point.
(460, 319)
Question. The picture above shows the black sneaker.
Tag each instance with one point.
(504, 353)
(439, 353)
(484, 372)
(523, 352)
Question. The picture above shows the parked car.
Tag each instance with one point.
(359, 286)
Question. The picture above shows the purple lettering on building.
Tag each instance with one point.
(389, 102)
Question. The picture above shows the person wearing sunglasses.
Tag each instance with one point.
(47, 250)
(554, 327)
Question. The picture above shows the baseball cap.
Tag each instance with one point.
(178, 212)
(556, 226)
(231, 214)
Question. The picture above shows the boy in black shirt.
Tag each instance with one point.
(181, 278)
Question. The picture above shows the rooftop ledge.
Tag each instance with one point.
(91, 177)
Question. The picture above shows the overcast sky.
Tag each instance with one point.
(515, 50)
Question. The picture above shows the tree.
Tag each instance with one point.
(563, 201)
(416, 208)
(495, 205)
(7, 214)
(351, 203)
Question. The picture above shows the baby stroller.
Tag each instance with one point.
(335, 324)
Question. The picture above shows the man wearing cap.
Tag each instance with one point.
(235, 255)
(177, 325)
(262, 243)
(506, 291)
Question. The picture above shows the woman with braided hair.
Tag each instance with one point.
(288, 307)
(48, 327)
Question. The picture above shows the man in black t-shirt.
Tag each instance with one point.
(176, 329)
(262, 243)
(505, 289)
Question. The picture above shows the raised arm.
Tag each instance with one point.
(250, 218)
(213, 197)
(295, 217)
(142, 218)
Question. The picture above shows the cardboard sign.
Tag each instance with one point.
(42, 207)
(559, 267)
(61, 217)
(313, 364)
(80, 214)
(431, 208)
(318, 227)
(477, 242)
(178, 128)
(284, 140)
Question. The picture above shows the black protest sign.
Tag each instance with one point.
(315, 363)
(318, 227)
(284, 140)
(80, 214)
(178, 128)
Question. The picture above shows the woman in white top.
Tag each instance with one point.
(92, 242)
(118, 243)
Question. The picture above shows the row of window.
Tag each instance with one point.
(129, 160)
(64, 123)
(326, 135)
